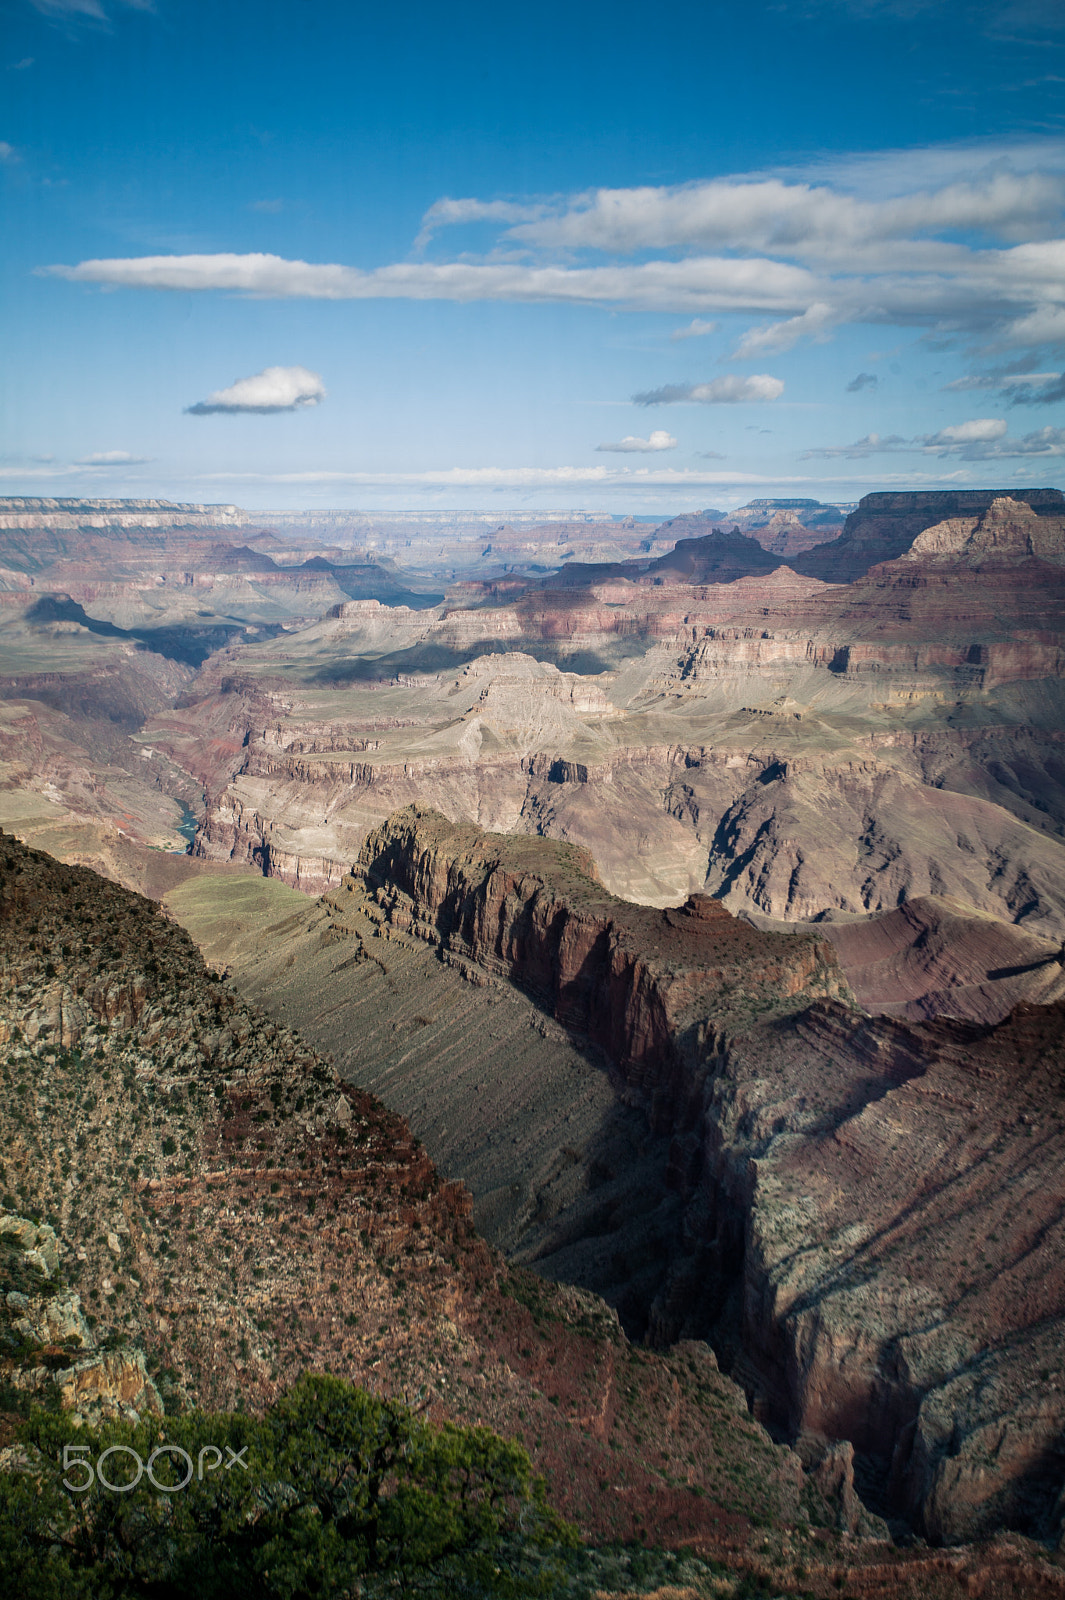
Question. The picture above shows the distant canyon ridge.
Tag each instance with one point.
(873, 722)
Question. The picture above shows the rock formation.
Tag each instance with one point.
(871, 1223)
(884, 526)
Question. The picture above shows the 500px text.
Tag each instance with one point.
(209, 1460)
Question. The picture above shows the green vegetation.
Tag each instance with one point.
(333, 1492)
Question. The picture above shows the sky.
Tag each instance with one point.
(578, 255)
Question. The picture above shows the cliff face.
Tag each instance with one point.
(872, 1212)
(648, 987)
(1009, 529)
(884, 526)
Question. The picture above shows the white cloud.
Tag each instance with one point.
(815, 322)
(1043, 326)
(273, 389)
(978, 431)
(113, 458)
(448, 213)
(630, 445)
(1035, 389)
(1043, 442)
(701, 283)
(974, 380)
(872, 444)
(8, 153)
(1014, 384)
(515, 478)
(732, 389)
(813, 221)
(698, 329)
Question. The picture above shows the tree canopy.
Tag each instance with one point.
(334, 1492)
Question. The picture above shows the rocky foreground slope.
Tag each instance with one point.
(195, 1208)
(873, 1217)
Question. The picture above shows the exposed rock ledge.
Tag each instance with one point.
(873, 1221)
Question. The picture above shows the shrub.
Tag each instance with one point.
(343, 1493)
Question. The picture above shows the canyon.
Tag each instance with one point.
(192, 1200)
(911, 1306)
(795, 747)
(696, 893)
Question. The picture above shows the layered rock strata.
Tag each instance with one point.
(872, 1211)
(790, 746)
(884, 526)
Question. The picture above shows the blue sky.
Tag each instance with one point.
(570, 255)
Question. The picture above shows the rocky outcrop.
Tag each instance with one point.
(648, 987)
(934, 956)
(50, 513)
(885, 525)
(47, 1348)
(1009, 530)
(789, 702)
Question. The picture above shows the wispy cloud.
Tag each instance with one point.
(274, 389)
(447, 213)
(816, 322)
(8, 153)
(1039, 389)
(84, 10)
(864, 380)
(508, 478)
(631, 445)
(271, 207)
(723, 284)
(113, 458)
(808, 220)
(979, 430)
(981, 439)
(732, 389)
(697, 329)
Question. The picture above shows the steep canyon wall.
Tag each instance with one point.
(872, 1210)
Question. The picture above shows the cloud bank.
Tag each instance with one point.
(630, 445)
(274, 389)
(961, 243)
